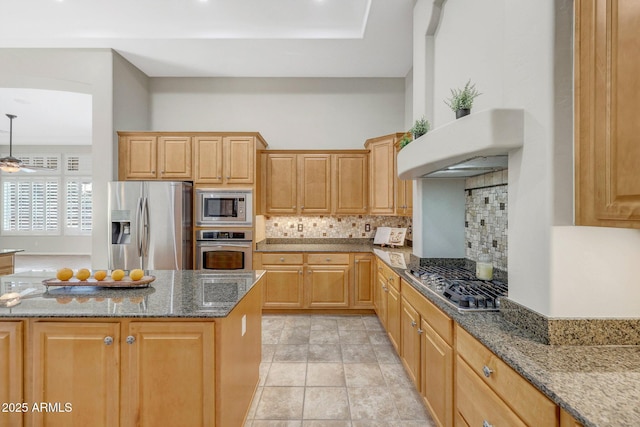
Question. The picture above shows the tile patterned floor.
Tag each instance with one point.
(332, 371)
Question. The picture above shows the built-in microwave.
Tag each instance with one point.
(218, 207)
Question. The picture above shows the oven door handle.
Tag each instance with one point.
(205, 245)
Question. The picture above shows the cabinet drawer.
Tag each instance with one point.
(390, 276)
(529, 403)
(478, 405)
(437, 319)
(6, 261)
(282, 259)
(324, 259)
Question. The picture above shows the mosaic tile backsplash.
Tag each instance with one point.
(352, 226)
(486, 217)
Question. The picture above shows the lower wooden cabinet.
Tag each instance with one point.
(411, 329)
(316, 280)
(7, 262)
(393, 316)
(11, 357)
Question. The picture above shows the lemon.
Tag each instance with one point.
(100, 275)
(117, 274)
(64, 274)
(83, 274)
(136, 274)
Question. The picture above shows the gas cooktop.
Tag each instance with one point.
(460, 288)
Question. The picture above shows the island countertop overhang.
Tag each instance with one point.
(173, 294)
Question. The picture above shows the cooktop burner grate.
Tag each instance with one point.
(460, 287)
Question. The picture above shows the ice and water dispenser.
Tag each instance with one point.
(120, 227)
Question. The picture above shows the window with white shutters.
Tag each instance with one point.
(52, 202)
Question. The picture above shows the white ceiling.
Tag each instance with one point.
(199, 38)
(237, 38)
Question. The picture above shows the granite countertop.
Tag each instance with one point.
(180, 293)
(597, 385)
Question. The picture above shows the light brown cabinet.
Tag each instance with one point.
(410, 330)
(224, 159)
(315, 183)
(143, 156)
(607, 153)
(7, 263)
(351, 189)
(316, 280)
(388, 302)
(11, 357)
(507, 398)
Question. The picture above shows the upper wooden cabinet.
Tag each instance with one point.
(350, 186)
(314, 183)
(217, 158)
(155, 157)
(388, 195)
(607, 152)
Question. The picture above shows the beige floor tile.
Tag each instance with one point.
(350, 336)
(297, 335)
(280, 403)
(297, 321)
(363, 375)
(378, 337)
(267, 352)
(395, 375)
(409, 403)
(386, 353)
(358, 353)
(322, 323)
(372, 323)
(325, 353)
(328, 403)
(254, 404)
(264, 371)
(291, 353)
(276, 423)
(273, 322)
(271, 336)
(324, 336)
(326, 423)
(325, 374)
(351, 323)
(371, 403)
(286, 374)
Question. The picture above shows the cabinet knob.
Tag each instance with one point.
(413, 324)
(219, 177)
(487, 371)
(299, 271)
(282, 259)
(228, 177)
(301, 207)
(328, 259)
(153, 172)
(486, 423)
(420, 331)
(108, 340)
(162, 172)
(356, 261)
(131, 339)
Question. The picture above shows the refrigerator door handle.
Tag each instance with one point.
(139, 230)
(145, 242)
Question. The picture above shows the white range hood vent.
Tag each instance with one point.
(473, 145)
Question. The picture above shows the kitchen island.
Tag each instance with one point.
(184, 351)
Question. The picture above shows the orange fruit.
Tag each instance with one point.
(136, 274)
(83, 274)
(100, 275)
(117, 275)
(64, 274)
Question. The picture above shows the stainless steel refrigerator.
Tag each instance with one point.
(150, 225)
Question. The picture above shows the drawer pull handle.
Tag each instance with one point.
(413, 324)
(108, 340)
(485, 423)
(487, 371)
(131, 339)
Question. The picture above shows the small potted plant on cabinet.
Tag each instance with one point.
(461, 100)
(405, 140)
(420, 127)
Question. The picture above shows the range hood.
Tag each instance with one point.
(476, 144)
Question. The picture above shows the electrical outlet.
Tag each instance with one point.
(300, 227)
(367, 227)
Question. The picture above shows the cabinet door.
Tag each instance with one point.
(207, 156)
(393, 316)
(78, 364)
(382, 177)
(351, 191)
(281, 182)
(11, 370)
(410, 341)
(168, 374)
(363, 279)
(436, 375)
(138, 157)
(283, 287)
(314, 187)
(607, 152)
(174, 157)
(327, 286)
(7, 262)
(239, 157)
(404, 197)
(381, 290)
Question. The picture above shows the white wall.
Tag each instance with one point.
(519, 53)
(75, 70)
(303, 113)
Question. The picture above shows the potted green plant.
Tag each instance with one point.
(420, 127)
(405, 140)
(461, 100)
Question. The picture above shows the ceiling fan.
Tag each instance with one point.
(11, 164)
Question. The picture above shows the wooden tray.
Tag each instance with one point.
(106, 283)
